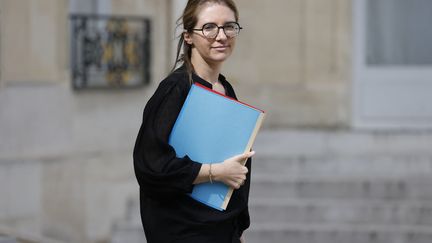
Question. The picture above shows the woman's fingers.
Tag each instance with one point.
(232, 172)
(244, 156)
(245, 170)
(241, 177)
(236, 183)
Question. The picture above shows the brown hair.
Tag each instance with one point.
(188, 20)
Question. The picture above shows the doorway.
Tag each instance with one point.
(392, 64)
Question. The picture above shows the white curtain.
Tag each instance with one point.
(399, 32)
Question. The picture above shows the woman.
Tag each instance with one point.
(168, 213)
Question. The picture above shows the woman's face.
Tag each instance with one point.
(212, 50)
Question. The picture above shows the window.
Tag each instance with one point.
(108, 51)
(399, 32)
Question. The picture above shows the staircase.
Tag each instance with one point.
(341, 187)
(7, 239)
(332, 187)
(11, 236)
(129, 229)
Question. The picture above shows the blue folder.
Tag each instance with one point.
(210, 128)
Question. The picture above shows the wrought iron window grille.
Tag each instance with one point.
(110, 51)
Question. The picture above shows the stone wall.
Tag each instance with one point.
(65, 156)
(66, 168)
(293, 60)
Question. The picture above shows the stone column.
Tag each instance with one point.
(34, 99)
(34, 42)
(35, 105)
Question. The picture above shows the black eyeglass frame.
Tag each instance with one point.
(218, 29)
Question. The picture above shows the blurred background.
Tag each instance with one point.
(345, 154)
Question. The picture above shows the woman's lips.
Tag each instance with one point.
(220, 48)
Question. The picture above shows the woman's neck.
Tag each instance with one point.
(209, 73)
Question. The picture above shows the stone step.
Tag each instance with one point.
(341, 187)
(129, 232)
(333, 233)
(355, 212)
(403, 165)
(12, 235)
(7, 239)
(339, 142)
(129, 229)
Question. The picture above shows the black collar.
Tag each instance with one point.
(207, 84)
(198, 79)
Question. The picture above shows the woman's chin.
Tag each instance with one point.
(220, 57)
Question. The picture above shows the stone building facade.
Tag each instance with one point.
(65, 155)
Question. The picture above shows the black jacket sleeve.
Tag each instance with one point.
(159, 172)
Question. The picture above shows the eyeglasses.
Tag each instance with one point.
(211, 30)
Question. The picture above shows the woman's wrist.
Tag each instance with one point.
(216, 170)
(210, 174)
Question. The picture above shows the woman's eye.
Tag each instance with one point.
(209, 27)
(230, 26)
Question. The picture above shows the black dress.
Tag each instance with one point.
(168, 214)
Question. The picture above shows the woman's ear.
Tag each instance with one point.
(187, 37)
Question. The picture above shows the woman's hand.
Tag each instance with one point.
(242, 240)
(232, 172)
